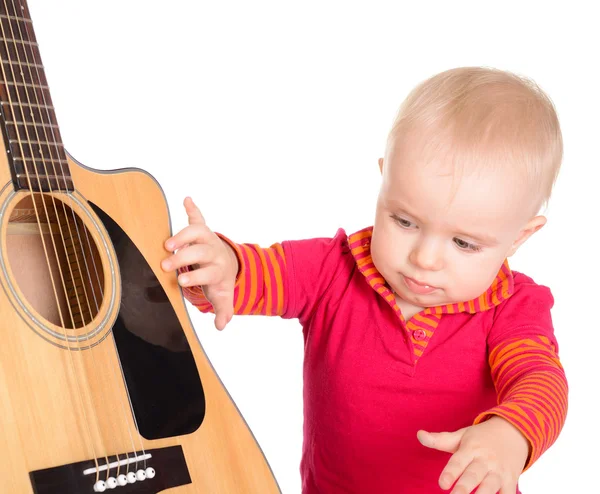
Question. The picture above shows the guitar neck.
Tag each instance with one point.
(33, 143)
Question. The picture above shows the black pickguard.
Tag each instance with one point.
(161, 374)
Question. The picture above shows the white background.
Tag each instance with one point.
(272, 115)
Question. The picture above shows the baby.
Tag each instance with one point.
(429, 364)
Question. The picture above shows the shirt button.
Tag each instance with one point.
(419, 335)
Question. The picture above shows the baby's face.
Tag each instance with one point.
(456, 245)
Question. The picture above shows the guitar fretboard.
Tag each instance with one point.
(33, 142)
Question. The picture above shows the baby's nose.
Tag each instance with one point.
(427, 256)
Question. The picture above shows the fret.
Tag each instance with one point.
(16, 28)
(37, 143)
(15, 18)
(37, 151)
(29, 115)
(19, 52)
(52, 160)
(29, 105)
(24, 84)
(45, 184)
(12, 122)
(45, 132)
(28, 94)
(60, 177)
(12, 10)
(24, 93)
(22, 41)
(39, 174)
(26, 64)
(17, 12)
(41, 166)
(26, 73)
(31, 164)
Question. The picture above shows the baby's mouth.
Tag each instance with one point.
(418, 288)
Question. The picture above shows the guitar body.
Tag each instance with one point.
(104, 385)
(69, 365)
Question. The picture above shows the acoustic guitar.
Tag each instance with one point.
(104, 386)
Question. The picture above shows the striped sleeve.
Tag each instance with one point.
(260, 283)
(532, 390)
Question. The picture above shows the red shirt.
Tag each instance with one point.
(372, 379)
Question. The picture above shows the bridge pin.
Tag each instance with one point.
(131, 478)
(150, 473)
(122, 480)
(140, 475)
(100, 486)
(111, 482)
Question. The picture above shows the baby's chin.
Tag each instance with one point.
(428, 300)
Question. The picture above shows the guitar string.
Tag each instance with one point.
(95, 297)
(112, 337)
(28, 140)
(31, 37)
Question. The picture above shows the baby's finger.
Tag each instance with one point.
(471, 478)
(208, 275)
(192, 254)
(223, 306)
(193, 212)
(194, 233)
(454, 468)
(222, 319)
(491, 485)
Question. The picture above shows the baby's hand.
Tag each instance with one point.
(215, 264)
(488, 456)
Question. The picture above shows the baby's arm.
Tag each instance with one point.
(260, 283)
(529, 379)
(532, 390)
(286, 279)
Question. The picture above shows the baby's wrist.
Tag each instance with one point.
(512, 431)
(233, 259)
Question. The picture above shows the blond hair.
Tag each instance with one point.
(481, 119)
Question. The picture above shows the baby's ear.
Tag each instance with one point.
(532, 226)
(381, 165)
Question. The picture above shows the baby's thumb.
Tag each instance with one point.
(193, 212)
(443, 441)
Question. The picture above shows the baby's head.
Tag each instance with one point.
(471, 159)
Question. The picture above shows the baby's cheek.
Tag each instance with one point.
(381, 260)
(467, 287)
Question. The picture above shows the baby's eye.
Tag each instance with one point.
(466, 245)
(401, 221)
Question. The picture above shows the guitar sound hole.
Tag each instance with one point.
(54, 261)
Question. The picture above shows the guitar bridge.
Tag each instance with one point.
(141, 472)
